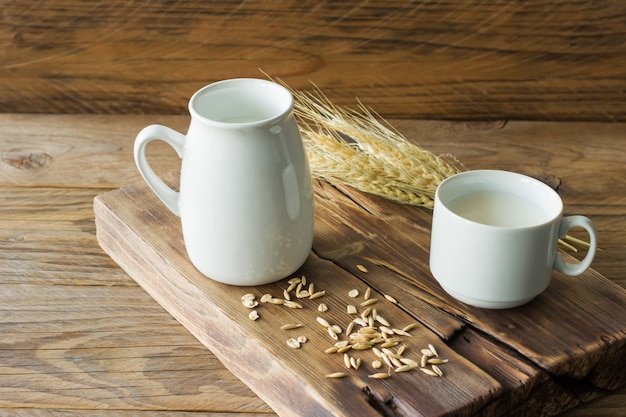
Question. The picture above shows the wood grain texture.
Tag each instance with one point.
(461, 59)
(82, 348)
(290, 380)
(569, 338)
(49, 253)
(574, 317)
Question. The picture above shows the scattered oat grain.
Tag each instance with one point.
(428, 371)
(410, 362)
(375, 333)
(389, 343)
(355, 362)
(332, 349)
(382, 320)
(361, 268)
(403, 368)
(390, 298)
(396, 362)
(385, 330)
(427, 352)
(290, 326)
(386, 360)
(344, 349)
(369, 302)
(360, 322)
(292, 304)
(432, 349)
(318, 294)
(350, 327)
(332, 334)
(409, 327)
(293, 343)
(402, 332)
(293, 283)
(322, 321)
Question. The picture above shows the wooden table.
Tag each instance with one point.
(78, 335)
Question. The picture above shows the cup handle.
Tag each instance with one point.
(578, 268)
(175, 140)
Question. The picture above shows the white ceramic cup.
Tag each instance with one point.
(246, 198)
(495, 235)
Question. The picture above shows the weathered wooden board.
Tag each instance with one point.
(536, 360)
(456, 59)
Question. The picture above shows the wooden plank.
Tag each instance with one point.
(76, 151)
(155, 258)
(81, 347)
(460, 59)
(47, 238)
(573, 329)
(41, 248)
(77, 334)
(29, 412)
(31, 221)
(288, 380)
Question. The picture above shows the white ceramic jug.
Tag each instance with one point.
(245, 200)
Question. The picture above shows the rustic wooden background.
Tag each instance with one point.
(112, 350)
(459, 59)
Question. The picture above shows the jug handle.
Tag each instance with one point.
(175, 140)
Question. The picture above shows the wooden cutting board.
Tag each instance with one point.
(565, 347)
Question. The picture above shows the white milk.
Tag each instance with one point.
(498, 209)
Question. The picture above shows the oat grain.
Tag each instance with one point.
(336, 375)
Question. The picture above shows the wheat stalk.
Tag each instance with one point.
(359, 149)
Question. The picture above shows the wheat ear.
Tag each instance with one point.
(359, 149)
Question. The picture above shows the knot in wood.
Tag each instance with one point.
(23, 159)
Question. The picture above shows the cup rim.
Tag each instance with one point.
(553, 213)
(277, 89)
